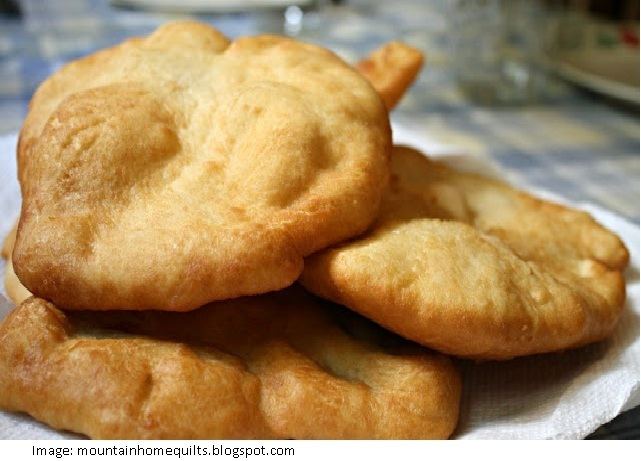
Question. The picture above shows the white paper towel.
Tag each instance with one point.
(554, 396)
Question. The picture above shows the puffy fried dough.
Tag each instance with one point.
(391, 69)
(472, 267)
(179, 169)
(276, 365)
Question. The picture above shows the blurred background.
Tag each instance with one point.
(492, 52)
(485, 52)
(548, 90)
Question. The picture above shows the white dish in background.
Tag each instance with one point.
(598, 54)
(208, 6)
(613, 73)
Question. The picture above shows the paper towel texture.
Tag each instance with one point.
(554, 396)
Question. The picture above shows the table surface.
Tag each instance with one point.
(571, 142)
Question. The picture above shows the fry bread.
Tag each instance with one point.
(178, 169)
(391, 69)
(270, 366)
(472, 267)
(14, 289)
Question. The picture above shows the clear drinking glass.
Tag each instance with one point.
(498, 49)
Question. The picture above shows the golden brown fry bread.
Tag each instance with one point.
(473, 267)
(391, 69)
(178, 169)
(275, 365)
(14, 289)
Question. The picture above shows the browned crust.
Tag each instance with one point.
(80, 218)
(273, 366)
(472, 267)
(391, 69)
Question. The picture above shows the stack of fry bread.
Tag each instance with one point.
(218, 239)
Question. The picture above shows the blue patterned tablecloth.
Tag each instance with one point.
(573, 144)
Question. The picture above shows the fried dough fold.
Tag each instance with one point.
(391, 69)
(179, 169)
(272, 366)
(473, 267)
